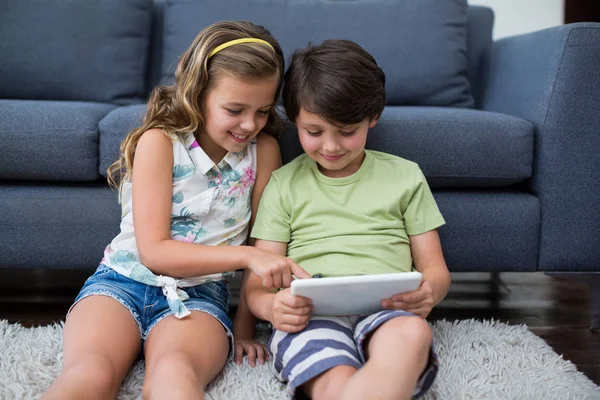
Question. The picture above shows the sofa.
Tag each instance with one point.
(507, 132)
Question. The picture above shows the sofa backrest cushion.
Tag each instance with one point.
(421, 45)
(479, 39)
(74, 49)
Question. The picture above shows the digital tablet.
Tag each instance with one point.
(354, 295)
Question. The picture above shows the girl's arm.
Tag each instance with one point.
(244, 324)
(152, 191)
(286, 312)
(258, 298)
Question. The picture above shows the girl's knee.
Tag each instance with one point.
(96, 372)
(172, 363)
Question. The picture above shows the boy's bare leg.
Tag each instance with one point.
(398, 352)
(329, 385)
(183, 356)
(101, 341)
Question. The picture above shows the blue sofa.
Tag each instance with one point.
(507, 132)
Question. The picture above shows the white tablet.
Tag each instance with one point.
(354, 295)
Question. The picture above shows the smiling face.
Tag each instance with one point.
(338, 150)
(234, 112)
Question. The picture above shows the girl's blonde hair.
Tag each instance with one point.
(177, 109)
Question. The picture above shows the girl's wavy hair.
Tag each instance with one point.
(177, 109)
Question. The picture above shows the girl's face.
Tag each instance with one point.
(338, 151)
(234, 113)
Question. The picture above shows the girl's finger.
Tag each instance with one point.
(238, 353)
(260, 353)
(267, 281)
(265, 351)
(251, 351)
(276, 279)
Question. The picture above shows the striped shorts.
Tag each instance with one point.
(331, 341)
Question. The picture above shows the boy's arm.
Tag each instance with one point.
(429, 260)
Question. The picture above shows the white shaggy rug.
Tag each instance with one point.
(479, 360)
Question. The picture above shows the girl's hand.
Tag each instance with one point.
(274, 270)
(256, 351)
(419, 302)
(290, 313)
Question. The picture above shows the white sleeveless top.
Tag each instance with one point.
(211, 206)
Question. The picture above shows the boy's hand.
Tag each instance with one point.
(419, 302)
(256, 351)
(290, 313)
(274, 270)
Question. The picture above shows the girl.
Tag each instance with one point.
(190, 181)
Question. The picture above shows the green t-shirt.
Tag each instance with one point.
(356, 225)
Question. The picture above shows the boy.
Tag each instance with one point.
(340, 210)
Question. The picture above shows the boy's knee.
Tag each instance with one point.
(330, 384)
(410, 330)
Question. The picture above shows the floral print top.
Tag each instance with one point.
(211, 206)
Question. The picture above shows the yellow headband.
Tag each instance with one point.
(238, 41)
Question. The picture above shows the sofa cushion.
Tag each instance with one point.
(421, 45)
(74, 50)
(50, 140)
(453, 147)
(479, 39)
(489, 230)
(56, 226)
(113, 129)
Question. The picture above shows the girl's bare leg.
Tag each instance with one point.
(101, 340)
(183, 356)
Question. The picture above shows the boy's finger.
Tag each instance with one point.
(293, 301)
(304, 310)
(291, 328)
(299, 272)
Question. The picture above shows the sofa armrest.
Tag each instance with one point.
(552, 78)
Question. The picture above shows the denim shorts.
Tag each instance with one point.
(148, 305)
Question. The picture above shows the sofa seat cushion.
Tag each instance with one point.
(454, 147)
(56, 226)
(50, 140)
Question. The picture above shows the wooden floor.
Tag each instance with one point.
(555, 309)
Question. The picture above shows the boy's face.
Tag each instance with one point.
(338, 150)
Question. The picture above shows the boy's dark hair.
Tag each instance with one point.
(338, 80)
